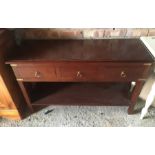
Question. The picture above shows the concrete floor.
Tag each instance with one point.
(84, 116)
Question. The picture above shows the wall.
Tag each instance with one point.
(100, 33)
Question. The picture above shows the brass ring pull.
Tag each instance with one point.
(123, 74)
(37, 74)
(79, 74)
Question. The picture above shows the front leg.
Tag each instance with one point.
(135, 93)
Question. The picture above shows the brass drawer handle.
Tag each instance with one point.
(123, 74)
(37, 74)
(79, 74)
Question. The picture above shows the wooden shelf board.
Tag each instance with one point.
(92, 94)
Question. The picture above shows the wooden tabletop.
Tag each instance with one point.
(108, 50)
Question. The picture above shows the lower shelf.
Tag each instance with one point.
(45, 94)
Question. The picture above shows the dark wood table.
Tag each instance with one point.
(83, 72)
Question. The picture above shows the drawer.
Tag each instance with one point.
(101, 71)
(80, 71)
(35, 72)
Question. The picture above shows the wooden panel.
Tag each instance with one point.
(80, 71)
(10, 114)
(6, 101)
(101, 72)
(35, 72)
(80, 94)
(11, 97)
(108, 50)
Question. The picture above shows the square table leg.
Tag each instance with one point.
(134, 96)
(25, 95)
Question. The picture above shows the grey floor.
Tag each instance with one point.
(84, 116)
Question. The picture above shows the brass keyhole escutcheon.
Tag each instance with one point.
(79, 74)
(123, 74)
(37, 74)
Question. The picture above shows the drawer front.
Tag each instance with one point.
(101, 72)
(81, 71)
(35, 72)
